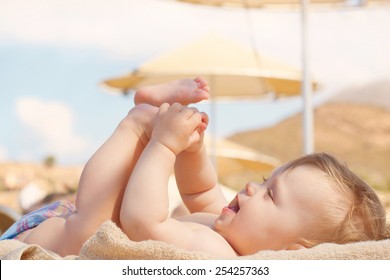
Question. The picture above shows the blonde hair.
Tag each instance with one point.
(355, 212)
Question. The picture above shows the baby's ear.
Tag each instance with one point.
(295, 246)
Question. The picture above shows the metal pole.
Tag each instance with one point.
(308, 124)
(213, 123)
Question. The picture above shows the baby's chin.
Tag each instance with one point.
(224, 219)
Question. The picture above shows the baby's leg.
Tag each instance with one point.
(185, 91)
(101, 187)
(106, 173)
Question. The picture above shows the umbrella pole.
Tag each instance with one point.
(308, 126)
(213, 118)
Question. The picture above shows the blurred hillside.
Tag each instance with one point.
(354, 126)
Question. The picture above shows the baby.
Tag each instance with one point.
(311, 200)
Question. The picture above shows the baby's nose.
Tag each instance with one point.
(250, 188)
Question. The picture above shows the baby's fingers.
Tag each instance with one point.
(195, 121)
(205, 119)
(163, 108)
(188, 112)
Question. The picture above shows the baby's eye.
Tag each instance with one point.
(270, 193)
(264, 179)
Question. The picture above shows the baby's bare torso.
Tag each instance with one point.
(206, 238)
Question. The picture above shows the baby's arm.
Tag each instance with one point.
(144, 211)
(197, 178)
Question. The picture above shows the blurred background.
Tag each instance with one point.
(68, 70)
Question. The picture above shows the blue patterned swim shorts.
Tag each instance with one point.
(61, 208)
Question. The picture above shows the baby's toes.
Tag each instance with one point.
(202, 84)
(200, 95)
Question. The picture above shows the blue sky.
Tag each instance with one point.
(54, 54)
(50, 101)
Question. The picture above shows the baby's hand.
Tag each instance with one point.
(176, 127)
(195, 147)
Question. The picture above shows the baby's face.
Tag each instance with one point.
(276, 213)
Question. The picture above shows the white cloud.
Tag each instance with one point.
(52, 125)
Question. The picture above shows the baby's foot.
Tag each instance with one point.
(185, 91)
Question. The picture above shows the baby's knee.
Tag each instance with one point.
(131, 225)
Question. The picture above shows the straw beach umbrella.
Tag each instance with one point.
(238, 164)
(244, 157)
(232, 70)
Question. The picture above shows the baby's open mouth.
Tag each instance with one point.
(233, 205)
